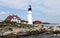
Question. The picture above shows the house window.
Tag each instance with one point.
(14, 18)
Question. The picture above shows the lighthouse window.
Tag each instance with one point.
(29, 9)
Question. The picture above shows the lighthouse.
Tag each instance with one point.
(29, 15)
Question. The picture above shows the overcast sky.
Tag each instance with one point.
(44, 10)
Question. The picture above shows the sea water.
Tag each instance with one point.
(42, 36)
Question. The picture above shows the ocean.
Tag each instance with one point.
(42, 36)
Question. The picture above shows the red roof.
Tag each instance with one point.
(11, 16)
(24, 21)
(37, 22)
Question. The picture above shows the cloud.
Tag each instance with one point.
(53, 7)
(15, 4)
(48, 7)
(4, 13)
(52, 3)
(52, 12)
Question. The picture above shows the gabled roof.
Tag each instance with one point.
(37, 22)
(11, 16)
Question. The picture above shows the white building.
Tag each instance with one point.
(29, 15)
(13, 18)
(1, 20)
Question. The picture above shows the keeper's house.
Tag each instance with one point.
(15, 18)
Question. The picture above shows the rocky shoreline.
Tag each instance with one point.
(15, 32)
(20, 34)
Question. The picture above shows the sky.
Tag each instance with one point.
(43, 10)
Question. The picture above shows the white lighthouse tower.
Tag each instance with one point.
(29, 15)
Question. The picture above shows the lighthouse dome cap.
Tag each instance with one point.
(29, 9)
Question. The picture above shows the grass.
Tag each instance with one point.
(20, 25)
(26, 25)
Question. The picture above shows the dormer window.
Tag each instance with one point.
(14, 17)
